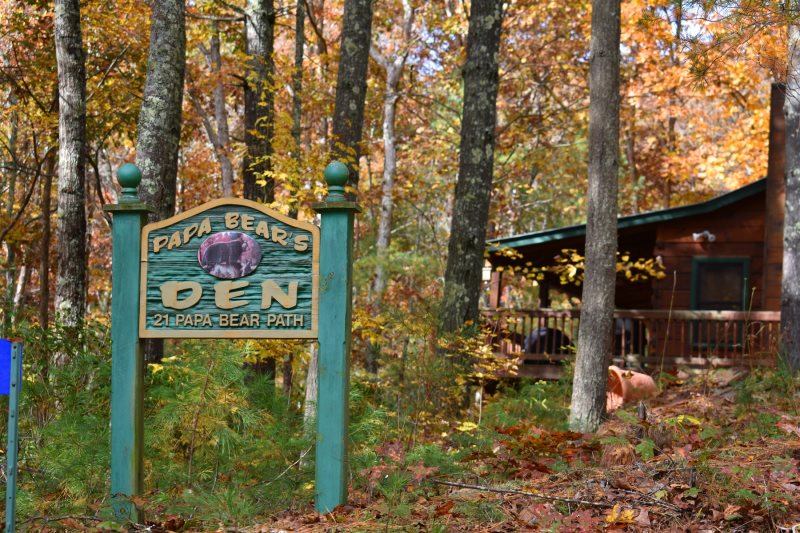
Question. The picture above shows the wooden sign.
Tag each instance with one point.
(230, 268)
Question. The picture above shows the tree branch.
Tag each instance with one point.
(522, 492)
(317, 32)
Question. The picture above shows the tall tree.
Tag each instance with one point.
(392, 62)
(218, 133)
(10, 185)
(71, 232)
(259, 100)
(476, 166)
(790, 293)
(44, 251)
(160, 119)
(351, 85)
(597, 300)
(297, 137)
(160, 116)
(259, 116)
(392, 65)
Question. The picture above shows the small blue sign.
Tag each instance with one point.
(5, 366)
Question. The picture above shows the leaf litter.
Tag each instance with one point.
(715, 452)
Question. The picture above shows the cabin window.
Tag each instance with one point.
(720, 283)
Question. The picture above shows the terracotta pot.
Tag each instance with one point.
(625, 386)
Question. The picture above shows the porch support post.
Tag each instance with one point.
(495, 288)
(335, 325)
(127, 363)
(544, 294)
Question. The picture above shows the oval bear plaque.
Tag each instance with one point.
(229, 269)
(229, 255)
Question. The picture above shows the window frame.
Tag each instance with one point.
(744, 262)
(707, 342)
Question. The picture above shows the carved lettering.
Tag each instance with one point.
(226, 291)
(270, 290)
(171, 289)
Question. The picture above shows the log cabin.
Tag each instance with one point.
(717, 304)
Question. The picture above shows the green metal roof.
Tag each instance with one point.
(556, 234)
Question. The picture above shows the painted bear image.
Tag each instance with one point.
(229, 255)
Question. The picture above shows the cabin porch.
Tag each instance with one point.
(652, 340)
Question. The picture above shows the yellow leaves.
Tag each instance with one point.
(569, 267)
(615, 516)
(467, 426)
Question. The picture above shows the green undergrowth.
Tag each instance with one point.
(222, 446)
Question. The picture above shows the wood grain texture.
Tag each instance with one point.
(280, 262)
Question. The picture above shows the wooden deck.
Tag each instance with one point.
(643, 339)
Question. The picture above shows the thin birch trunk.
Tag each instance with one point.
(310, 404)
(23, 278)
(297, 131)
(393, 67)
(12, 192)
(218, 133)
(222, 146)
(44, 252)
(71, 230)
(597, 301)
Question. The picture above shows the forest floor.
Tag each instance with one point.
(717, 452)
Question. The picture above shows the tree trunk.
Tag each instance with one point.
(393, 67)
(44, 253)
(221, 116)
(71, 230)
(288, 375)
(160, 120)
(218, 135)
(297, 85)
(160, 116)
(23, 279)
(11, 191)
(475, 167)
(351, 85)
(790, 291)
(310, 403)
(259, 99)
(597, 301)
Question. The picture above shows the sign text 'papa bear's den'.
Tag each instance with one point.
(232, 269)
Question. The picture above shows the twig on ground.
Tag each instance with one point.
(653, 499)
(59, 518)
(289, 467)
(522, 492)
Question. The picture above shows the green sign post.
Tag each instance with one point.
(127, 362)
(336, 270)
(230, 269)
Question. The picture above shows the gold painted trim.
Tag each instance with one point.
(312, 333)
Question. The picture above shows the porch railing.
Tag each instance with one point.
(647, 339)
